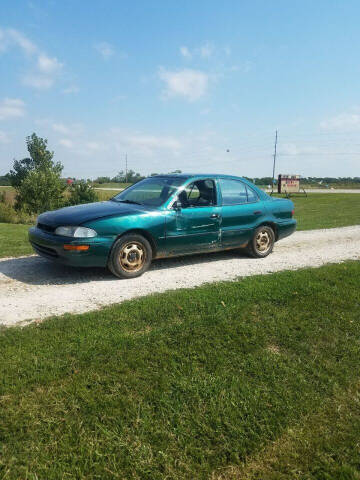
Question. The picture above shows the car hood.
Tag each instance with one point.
(80, 214)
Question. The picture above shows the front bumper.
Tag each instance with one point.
(51, 246)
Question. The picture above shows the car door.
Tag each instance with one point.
(193, 222)
(241, 211)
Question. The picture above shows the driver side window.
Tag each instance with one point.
(201, 193)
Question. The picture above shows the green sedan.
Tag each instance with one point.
(164, 216)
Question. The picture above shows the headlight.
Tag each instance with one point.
(76, 232)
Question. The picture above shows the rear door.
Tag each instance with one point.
(194, 225)
(241, 212)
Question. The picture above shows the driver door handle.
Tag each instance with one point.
(214, 215)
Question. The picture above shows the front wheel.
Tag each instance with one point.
(130, 256)
(262, 242)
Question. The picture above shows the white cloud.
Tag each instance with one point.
(105, 49)
(10, 37)
(294, 149)
(185, 52)
(206, 50)
(61, 128)
(187, 83)
(142, 143)
(45, 69)
(48, 65)
(11, 108)
(94, 146)
(343, 121)
(71, 89)
(40, 82)
(66, 142)
(71, 129)
(44, 75)
(152, 141)
(4, 137)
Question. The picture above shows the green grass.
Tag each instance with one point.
(324, 446)
(106, 194)
(190, 384)
(13, 240)
(320, 210)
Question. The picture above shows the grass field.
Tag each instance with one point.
(106, 194)
(13, 240)
(316, 211)
(255, 379)
(319, 210)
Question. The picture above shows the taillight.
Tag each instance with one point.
(292, 212)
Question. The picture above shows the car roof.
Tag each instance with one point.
(198, 175)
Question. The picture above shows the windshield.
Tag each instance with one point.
(152, 191)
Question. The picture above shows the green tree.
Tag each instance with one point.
(102, 180)
(41, 190)
(37, 179)
(82, 192)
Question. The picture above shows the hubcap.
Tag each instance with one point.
(132, 256)
(263, 241)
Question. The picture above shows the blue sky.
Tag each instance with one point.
(190, 85)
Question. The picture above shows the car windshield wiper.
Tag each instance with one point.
(129, 201)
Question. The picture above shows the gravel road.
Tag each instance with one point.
(32, 288)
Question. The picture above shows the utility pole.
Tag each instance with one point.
(273, 175)
(126, 168)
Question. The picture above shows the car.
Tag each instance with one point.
(164, 216)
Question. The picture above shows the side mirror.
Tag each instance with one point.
(177, 205)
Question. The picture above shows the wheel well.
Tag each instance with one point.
(274, 227)
(145, 234)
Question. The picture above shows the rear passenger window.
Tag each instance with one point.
(233, 192)
(251, 195)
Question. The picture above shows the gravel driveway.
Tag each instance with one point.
(32, 288)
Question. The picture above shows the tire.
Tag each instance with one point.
(130, 256)
(262, 242)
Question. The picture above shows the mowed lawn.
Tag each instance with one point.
(14, 240)
(254, 379)
(315, 211)
(326, 210)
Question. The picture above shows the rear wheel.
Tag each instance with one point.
(262, 242)
(130, 256)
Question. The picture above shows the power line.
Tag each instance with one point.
(273, 174)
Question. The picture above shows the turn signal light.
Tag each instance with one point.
(77, 248)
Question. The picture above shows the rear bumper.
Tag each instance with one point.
(286, 228)
(51, 247)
